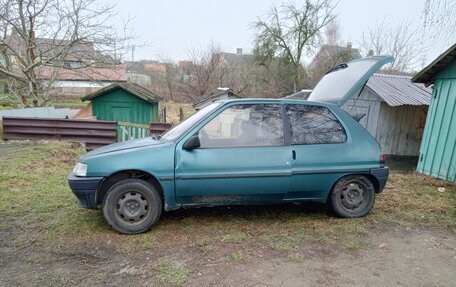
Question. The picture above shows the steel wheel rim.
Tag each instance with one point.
(353, 196)
(132, 207)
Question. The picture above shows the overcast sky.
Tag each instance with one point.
(173, 27)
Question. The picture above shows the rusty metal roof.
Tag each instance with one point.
(398, 90)
(427, 75)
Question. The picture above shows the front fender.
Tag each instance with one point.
(156, 160)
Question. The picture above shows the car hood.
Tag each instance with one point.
(123, 146)
(345, 80)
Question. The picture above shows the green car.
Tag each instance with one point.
(248, 151)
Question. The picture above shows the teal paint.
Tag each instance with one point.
(438, 148)
(121, 105)
(242, 175)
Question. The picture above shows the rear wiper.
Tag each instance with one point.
(336, 68)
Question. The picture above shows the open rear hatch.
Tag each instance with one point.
(345, 80)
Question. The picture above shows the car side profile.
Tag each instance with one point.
(243, 152)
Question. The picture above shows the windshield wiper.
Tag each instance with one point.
(336, 68)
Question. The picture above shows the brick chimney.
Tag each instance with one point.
(239, 51)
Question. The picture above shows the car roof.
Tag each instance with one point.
(277, 101)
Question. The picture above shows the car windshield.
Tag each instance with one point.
(181, 128)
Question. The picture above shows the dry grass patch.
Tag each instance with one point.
(416, 199)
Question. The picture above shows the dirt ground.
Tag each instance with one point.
(389, 257)
(186, 249)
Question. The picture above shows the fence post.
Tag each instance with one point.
(181, 114)
(164, 115)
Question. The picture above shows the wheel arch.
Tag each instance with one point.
(112, 179)
(369, 176)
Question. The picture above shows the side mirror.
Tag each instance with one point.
(192, 143)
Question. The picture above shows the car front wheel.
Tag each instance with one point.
(352, 196)
(132, 206)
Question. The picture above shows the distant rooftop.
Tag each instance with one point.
(336, 51)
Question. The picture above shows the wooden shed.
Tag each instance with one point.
(438, 148)
(395, 112)
(125, 102)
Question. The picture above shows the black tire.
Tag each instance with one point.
(132, 206)
(352, 196)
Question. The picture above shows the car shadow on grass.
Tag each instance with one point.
(250, 212)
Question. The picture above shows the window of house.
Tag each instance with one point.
(243, 126)
(314, 125)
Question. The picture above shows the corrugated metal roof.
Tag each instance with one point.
(398, 90)
(40, 112)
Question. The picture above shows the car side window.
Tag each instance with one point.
(244, 125)
(314, 125)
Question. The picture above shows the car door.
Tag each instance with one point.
(242, 158)
(320, 149)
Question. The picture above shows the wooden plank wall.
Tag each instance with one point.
(400, 129)
(369, 103)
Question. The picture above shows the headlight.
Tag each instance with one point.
(80, 169)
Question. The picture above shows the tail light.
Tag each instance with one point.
(382, 159)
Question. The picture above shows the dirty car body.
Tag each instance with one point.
(248, 151)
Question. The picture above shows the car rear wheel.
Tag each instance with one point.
(352, 196)
(132, 206)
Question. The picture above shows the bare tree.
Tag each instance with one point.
(39, 37)
(402, 41)
(439, 19)
(332, 33)
(290, 31)
(201, 76)
(330, 54)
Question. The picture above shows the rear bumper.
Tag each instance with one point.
(85, 189)
(381, 174)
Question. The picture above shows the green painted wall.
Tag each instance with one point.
(120, 105)
(438, 147)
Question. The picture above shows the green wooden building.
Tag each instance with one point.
(132, 106)
(124, 102)
(438, 147)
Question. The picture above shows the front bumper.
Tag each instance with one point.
(381, 174)
(85, 189)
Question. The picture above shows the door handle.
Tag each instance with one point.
(293, 154)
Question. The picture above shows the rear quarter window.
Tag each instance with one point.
(314, 125)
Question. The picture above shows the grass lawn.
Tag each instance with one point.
(172, 111)
(41, 221)
(67, 102)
